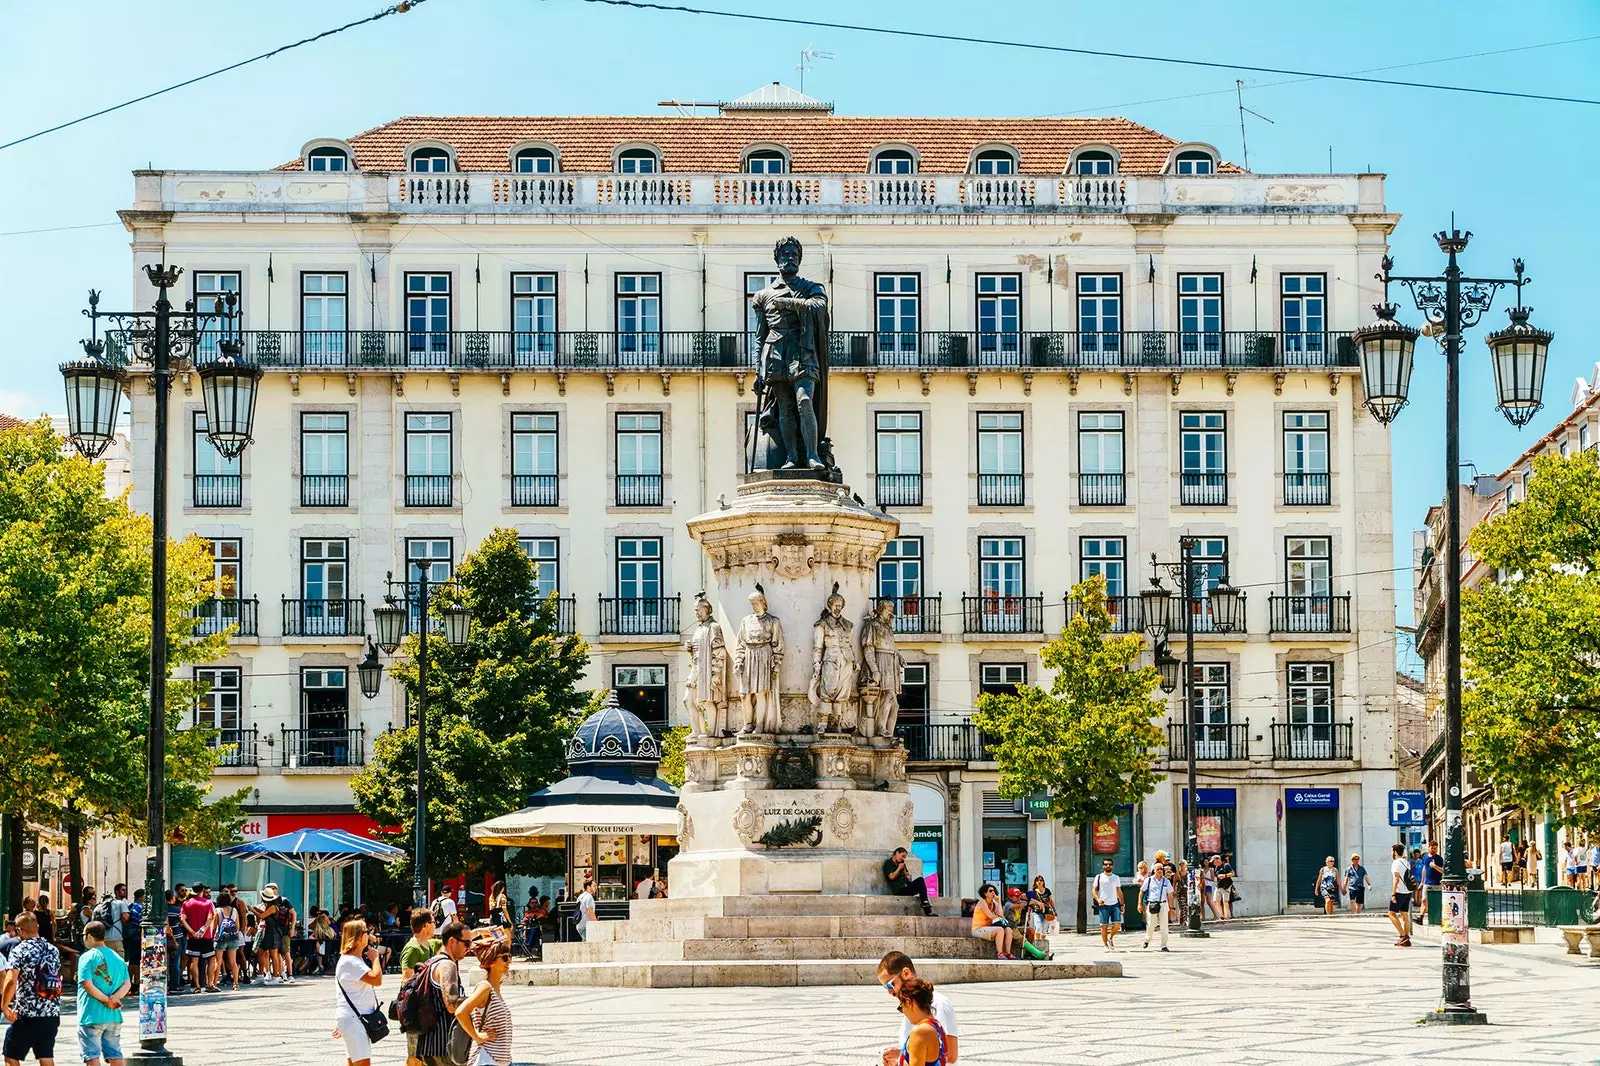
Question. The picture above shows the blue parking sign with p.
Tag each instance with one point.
(1408, 807)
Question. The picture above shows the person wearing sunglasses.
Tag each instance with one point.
(894, 971)
(924, 1044)
(1107, 888)
(989, 922)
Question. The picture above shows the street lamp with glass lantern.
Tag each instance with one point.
(1453, 303)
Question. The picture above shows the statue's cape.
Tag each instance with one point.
(808, 289)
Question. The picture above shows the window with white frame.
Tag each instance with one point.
(639, 458)
(427, 319)
(324, 459)
(1305, 458)
(996, 161)
(1200, 315)
(533, 319)
(327, 159)
(1194, 161)
(430, 161)
(324, 318)
(217, 478)
(216, 704)
(638, 161)
(765, 161)
(639, 573)
(546, 555)
(1101, 470)
(211, 291)
(1001, 679)
(999, 316)
(1094, 162)
(638, 317)
(899, 313)
(428, 557)
(900, 570)
(642, 690)
(1100, 312)
(1310, 691)
(899, 451)
(1106, 558)
(1302, 308)
(1000, 568)
(429, 467)
(1211, 710)
(535, 442)
(894, 161)
(535, 161)
(1203, 447)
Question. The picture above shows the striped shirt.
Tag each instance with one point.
(497, 1016)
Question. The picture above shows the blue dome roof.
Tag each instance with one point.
(612, 733)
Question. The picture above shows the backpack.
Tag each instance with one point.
(1410, 880)
(47, 977)
(227, 925)
(438, 913)
(413, 1008)
(102, 914)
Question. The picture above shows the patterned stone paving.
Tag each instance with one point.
(1302, 991)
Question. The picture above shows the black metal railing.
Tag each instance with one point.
(429, 490)
(899, 490)
(1312, 741)
(566, 608)
(324, 490)
(534, 490)
(324, 618)
(218, 614)
(238, 747)
(1181, 615)
(218, 490)
(1434, 752)
(1000, 490)
(1125, 612)
(1307, 490)
(952, 742)
(1213, 742)
(1002, 614)
(1204, 490)
(916, 614)
(639, 490)
(648, 614)
(1102, 490)
(380, 349)
(322, 747)
(1309, 614)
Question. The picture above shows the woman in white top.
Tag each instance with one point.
(484, 1014)
(358, 975)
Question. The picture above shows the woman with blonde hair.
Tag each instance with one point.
(484, 1016)
(358, 975)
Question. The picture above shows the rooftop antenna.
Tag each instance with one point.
(807, 57)
(1238, 95)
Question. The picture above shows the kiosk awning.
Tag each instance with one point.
(524, 828)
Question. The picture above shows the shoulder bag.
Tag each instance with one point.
(373, 1021)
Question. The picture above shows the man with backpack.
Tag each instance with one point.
(1404, 884)
(429, 996)
(31, 999)
(444, 908)
(113, 914)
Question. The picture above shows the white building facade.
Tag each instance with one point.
(1058, 345)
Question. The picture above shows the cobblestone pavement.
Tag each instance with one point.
(1303, 991)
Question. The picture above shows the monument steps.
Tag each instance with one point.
(776, 947)
(869, 925)
(793, 973)
(807, 904)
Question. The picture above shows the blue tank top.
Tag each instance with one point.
(905, 1049)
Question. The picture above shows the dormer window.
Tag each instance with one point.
(638, 161)
(534, 161)
(430, 161)
(1194, 161)
(327, 159)
(1094, 162)
(894, 161)
(995, 161)
(766, 161)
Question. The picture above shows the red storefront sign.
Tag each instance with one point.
(1106, 839)
(262, 826)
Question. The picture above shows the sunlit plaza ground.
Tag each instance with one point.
(1302, 991)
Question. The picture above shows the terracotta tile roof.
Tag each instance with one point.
(8, 422)
(712, 144)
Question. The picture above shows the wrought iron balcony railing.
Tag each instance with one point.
(622, 615)
(218, 614)
(429, 490)
(218, 490)
(1102, 490)
(1214, 742)
(943, 742)
(899, 490)
(324, 618)
(1309, 614)
(535, 490)
(1183, 614)
(1307, 490)
(639, 490)
(1203, 490)
(238, 747)
(322, 747)
(1125, 612)
(566, 608)
(917, 614)
(1000, 490)
(1002, 614)
(324, 490)
(1312, 741)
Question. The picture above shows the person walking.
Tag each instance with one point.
(586, 911)
(1531, 857)
(1329, 886)
(1156, 899)
(894, 970)
(229, 937)
(444, 908)
(1041, 909)
(500, 907)
(102, 985)
(31, 998)
(925, 1042)
(358, 974)
(444, 992)
(1432, 877)
(989, 922)
(1356, 884)
(276, 915)
(1180, 885)
(1225, 876)
(113, 914)
(1107, 890)
(1401, 880)
(484, 1014)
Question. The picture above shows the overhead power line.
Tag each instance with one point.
(1098, 53)
(398, 9)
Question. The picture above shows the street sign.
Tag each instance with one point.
(1408, 807)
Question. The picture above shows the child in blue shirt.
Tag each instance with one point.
(102, 982)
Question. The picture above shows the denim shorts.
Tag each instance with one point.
(1110, 915)
(100, 1041)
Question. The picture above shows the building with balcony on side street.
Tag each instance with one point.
(1057, 346)
(1487, 821)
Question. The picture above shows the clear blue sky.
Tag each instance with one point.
(1519, 174)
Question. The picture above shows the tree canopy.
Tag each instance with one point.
(500, 710)
(75, 590)
(1531, 645)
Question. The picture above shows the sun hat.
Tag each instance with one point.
(269, 893)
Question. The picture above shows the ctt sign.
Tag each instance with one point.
(1408, 807)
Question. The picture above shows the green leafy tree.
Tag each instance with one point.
(1531, 646)
(672, 745)
(1090, 741)
(75, 653)
(500, 711)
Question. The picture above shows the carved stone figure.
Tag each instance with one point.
(833, 670)
(791, 369)
(705, 690)
(757, 656)
(880, 672)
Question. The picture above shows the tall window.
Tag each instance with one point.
(638, 161)
(1203, 439)
(913, 694)
(428, 460)
(217, 704)
(223, 608)
(900, 570)
(1583, 437)
(430, 557)
(899, 310)
(899, 446)
(427, 319)
(639, 459)
(765, 162)
(1194, 162)
(894, 161)
(324, 590)
(1000, 585)
(1200, 316)
(1101, 473)
(1000, 458)
(1305, 458)
(1211, 710)
(995, 161)
(643, 691)
(534, 476)
(1094, 162)
(217, 481)
(1100, 312)
(1308, 582)
(639, 607)
(1211, 553)
(323, 319)
(1302, 307)
(325, 737)
(430, 161)
(638, 307)
(324, 459)
(211, 290)
(1107, 558)
(535, 161)
(1001, 679)
(754, 282)
(999, 317)
(1310, 710)
(327, 160)
(546, 555)
(533, 319)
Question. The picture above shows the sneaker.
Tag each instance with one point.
(270, 981)
(1163, 949)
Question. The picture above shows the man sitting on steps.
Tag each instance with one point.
(901, 883)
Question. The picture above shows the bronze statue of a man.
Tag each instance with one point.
(791, 367)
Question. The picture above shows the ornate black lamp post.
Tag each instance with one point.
(1452, 303)
(1227, 614)
(392, 622)
(163, 339)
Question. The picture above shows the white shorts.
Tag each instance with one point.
(987, 932)
(356, 1044)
